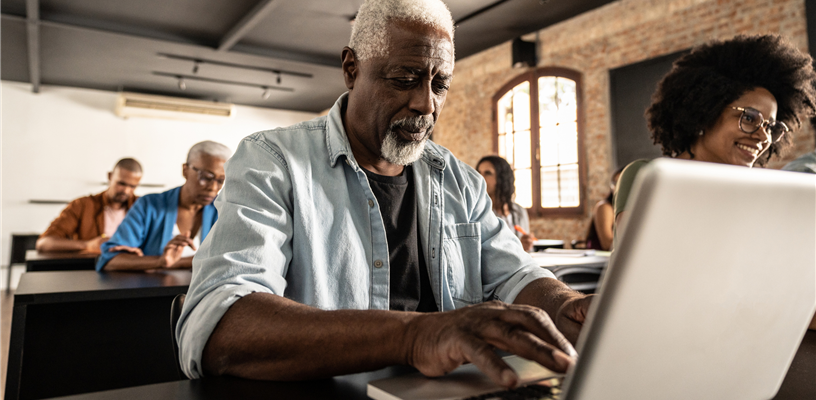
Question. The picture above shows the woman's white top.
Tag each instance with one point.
(188, 251)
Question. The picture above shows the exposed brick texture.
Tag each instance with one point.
(615, 35)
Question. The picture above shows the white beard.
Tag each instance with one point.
(400, 152)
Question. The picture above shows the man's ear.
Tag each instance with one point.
(350, 67)
(110, 175)
(184, 170)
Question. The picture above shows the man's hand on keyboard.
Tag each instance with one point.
(440, 342)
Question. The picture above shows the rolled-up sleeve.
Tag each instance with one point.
(247, 251)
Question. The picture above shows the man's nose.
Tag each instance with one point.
(423, 100)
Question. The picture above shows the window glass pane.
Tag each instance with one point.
(524, 192)
(508, 148)
(570, 194)
(548, 147)
(504, 108)
(567, 101)
(521, 154)
(549, 187)
(502, 150)
(521, 107)
(547, 106)
(567, 133)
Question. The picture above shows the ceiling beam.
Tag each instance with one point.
(246, 23)
(33, 27)
(479, 11)
(266, 52)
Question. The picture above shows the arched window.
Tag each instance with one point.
(545, 156)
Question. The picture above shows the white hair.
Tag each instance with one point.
(210, 148)
(369, 36)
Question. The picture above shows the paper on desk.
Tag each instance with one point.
(570, 252)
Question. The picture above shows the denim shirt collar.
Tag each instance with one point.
(338, 144)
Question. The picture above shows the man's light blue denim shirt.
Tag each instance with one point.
(297, 218)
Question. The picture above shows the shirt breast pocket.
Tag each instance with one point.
(462, 248)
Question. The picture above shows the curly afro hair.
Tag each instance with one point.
(702, 83)
(505, 179)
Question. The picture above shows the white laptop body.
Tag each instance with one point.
(707, 296)
(709, 291)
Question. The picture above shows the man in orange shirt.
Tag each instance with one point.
(89, 221)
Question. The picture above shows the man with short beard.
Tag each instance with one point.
(89, 221)
(350, 242)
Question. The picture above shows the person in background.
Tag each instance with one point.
(804, 163)
(600, 233)
(163, 230)
(501, 186)
(89, 221)
(352, 242)
(729, 102)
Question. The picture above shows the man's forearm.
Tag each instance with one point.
(132, 262)
(292, 341)
(547, 294)
(51, 243)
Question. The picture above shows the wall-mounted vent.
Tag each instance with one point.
(152, 106)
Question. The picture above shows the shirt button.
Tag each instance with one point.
(371, 203)
(378, 263)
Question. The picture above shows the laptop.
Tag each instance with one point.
(708, 294)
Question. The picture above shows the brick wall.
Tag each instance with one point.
(615, 35)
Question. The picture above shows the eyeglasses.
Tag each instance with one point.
(205, 178)
(751, 120)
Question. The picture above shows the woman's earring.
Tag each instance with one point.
(701, 133)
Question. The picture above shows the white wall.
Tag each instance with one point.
(60, 144)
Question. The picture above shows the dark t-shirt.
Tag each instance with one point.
(410, 286)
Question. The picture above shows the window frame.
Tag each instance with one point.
(535, 125)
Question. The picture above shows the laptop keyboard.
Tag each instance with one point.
(544, 390)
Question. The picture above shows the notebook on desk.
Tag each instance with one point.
(708, 295)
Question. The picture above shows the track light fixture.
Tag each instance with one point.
(182, 83)
(201, 61)
(195, 66)
(278, 80)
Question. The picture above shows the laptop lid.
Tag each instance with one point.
(710, 289)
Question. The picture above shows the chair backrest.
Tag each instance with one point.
(175, 313)
(20, 243)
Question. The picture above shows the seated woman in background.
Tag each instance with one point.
(599, 236)
(731, 102)
(501, 186)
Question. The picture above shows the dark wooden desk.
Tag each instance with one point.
(82, 331)
(799, 384)
(59, 261)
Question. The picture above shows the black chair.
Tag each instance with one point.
(20, 243)
(175, 313)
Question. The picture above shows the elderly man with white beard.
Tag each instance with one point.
(350, 242)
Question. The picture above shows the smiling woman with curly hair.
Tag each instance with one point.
(701, 86)
(729, 102)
